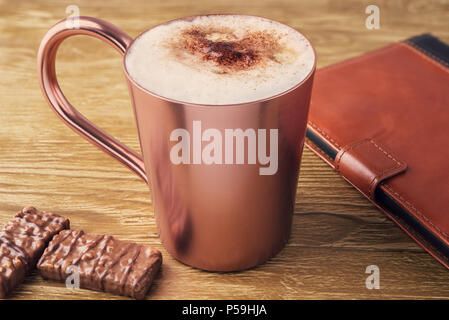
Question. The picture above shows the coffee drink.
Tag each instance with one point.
(220, 59)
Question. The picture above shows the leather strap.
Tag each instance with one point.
(367, 163)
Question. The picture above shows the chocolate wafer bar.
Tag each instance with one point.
(103, 263)
(22, 242)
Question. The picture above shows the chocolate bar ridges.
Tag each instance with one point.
(22, 242)
(104, 263)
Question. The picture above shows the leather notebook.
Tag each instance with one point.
(381, 120)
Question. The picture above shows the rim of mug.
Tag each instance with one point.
(190, 18)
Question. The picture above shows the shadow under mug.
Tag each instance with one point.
(218, 217)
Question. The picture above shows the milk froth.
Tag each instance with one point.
(220, 59)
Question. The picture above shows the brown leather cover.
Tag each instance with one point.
(382, 121)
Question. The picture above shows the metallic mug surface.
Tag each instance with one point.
(218, 217)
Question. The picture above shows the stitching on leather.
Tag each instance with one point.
(425, 56)
(318, 149)
(413, 208)
(381, 176)
(378, 175)
(322, 132)
(389, 155)
(337, 161)
(427, 53)
(385, 171)
(424, 242)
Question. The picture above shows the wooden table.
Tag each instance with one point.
(336, 232)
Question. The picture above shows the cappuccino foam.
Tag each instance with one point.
(220, 59)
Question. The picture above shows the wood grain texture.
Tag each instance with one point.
(336, 232)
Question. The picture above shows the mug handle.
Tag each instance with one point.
(49, 84)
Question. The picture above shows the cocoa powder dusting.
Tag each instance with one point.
(226, 51)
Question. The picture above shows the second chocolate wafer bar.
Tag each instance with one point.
(104, 263)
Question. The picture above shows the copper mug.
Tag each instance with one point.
(218, 217)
